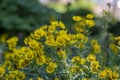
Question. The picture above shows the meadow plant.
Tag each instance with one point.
(52, 52)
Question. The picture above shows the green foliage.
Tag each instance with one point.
(24, 14)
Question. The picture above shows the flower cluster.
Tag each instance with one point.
(51, 52)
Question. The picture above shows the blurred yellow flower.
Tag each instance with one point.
(76, 18)
(2, 71)
(90, 23)
(89, 16)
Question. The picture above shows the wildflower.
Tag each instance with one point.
(114, 76)
(108, 71)
(62, 54)
(40, 60)
(81, 46)
(94, 64)
(96, 48)
(20, 76)
(74, 69)
(48, 59)
(94, 42)
(38, 34)
(3, 37)
(12, 42)
(8, 64)
(76, 18)
(61, 25)
(33, 44)
(82, 61)
(21, 63)
(10, 76)
(89, 16)
(91, 57)
(2, 71)
(90, 23)
(39, 78)
(50, 69)
(113, 48)
(102, 74)
(54, 65)
(75, 59)
(29, 56)
(51, 28)
(56, 79)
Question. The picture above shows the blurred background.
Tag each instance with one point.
(20, 17)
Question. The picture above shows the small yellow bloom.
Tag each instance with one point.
(12, 42)
(54, 65)
(62, 54)
(76, 18)
(29, 56)
(102, 74)
(8, 64)
(114, 48)
(94, 42)
(90, 23)
(89, 16)
(114, 76)
(21, 63)
(20, 76)
(40, 60)
(10, 76)
(50, 69)
(91, 57)
(2, 71)
(96, 48)
(39, 78)
(94, 64)
(56, 79)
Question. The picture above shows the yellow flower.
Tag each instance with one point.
(2, 71)
(29, 56)
(90, 23)
(81, 46)
(34, 44)
(108, 71)
(12, 42)
(114, 48)
(74, 69)
(21, 63)
(56, 79)
(102, 74)
(10, 76)
(61, 25)
(114, 76)
(54, 65)
(76, 18)
(94, 42)
(96, 48)
(39, 78)
(94, 64)
(20, 76)
(38, 34)
(62, 54)
(89, 16)
(40, 60)
(47, 60)
(50, 69)
(84, 79)
(3, 37)
(75, 59)
(91, 57)
(51, 29)
(82, 61)
(8, 64)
